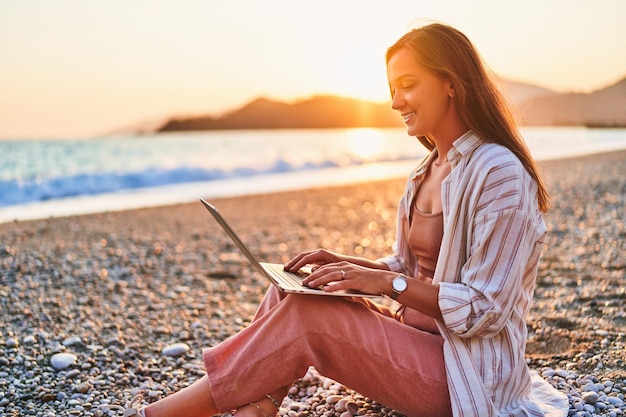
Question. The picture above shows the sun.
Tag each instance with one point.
(366, 82)
(358, 73)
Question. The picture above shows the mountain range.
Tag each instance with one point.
(531, 104)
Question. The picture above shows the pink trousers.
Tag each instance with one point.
(355, 342)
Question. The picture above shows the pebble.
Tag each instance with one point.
(71, 341)
(61, 361)
(83, 387)
(176, 349)
(590, 397)
(47, 397)
(72, 374)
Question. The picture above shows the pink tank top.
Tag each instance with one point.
(425, 234)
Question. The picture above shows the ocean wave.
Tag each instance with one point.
(21, 192)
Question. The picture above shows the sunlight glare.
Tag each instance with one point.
(367, 144)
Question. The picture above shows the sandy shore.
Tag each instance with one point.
(114, 289)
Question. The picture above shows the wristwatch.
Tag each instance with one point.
(398, 285)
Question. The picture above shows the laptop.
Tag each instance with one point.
(286, 281)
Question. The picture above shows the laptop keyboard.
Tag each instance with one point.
(290, 279)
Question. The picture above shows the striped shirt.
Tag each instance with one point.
(486, 271)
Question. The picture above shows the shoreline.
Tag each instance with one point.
(269, 183)
(115, 288)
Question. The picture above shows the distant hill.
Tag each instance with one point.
(532, 105)
(316, 112)
(602, 108)
(519, 93)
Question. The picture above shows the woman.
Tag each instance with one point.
(470, 231)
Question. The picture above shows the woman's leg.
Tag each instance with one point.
(375, 355)
(323, 332)
(267, 405)
(195, 400)
(272, 297)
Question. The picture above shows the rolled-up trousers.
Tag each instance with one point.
(394, 360)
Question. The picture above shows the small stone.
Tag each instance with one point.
(590, 397)
(175, 349)
(47, 397)
(333, 399)
(83, 387)
(29, 340)
(296, 406)
(70, 341)
(340, 406)
(352, 407)
(562, 373)
(614, 401)
(12, 343)
(72, 374)
(154, 394)
(60, 361)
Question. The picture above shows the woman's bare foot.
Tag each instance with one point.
(263, 407)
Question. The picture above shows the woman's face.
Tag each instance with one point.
(422, 98)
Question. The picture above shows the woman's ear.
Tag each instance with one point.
(450, 89)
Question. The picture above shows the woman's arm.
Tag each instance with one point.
(337, 272)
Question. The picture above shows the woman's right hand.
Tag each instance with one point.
(315, 258)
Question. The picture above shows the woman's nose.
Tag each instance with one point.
(397, 101)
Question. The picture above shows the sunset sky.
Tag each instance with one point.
(83, 68)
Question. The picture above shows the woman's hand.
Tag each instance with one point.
(345, 275)
(360, 274)
(315, 258)
(319, 257)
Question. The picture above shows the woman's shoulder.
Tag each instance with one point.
(493, 167)
(480, 151)
(492, 158)
(494, 154)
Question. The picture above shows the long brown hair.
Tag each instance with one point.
(449, 53)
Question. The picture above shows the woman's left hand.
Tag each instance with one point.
(348, 276)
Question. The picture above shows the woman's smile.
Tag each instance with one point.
(408, 116)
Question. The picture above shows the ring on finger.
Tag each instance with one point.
(343, 274)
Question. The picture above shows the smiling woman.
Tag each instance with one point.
(463, 266)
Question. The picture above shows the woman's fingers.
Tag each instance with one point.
(346, 276)
(327, 273)
(316, 257)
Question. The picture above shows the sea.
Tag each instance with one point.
(64, 177)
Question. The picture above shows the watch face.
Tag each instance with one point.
(399, 284)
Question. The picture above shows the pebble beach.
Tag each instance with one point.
(98, 308)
